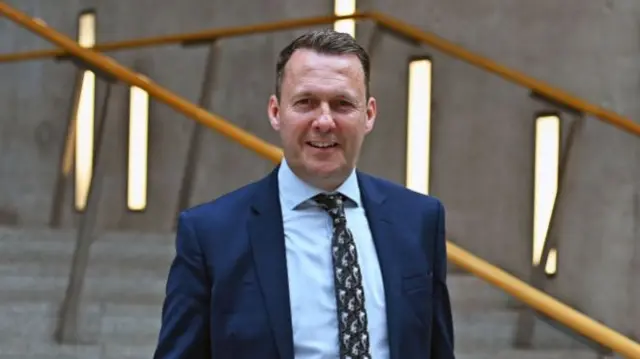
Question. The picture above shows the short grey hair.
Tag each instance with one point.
(326, 41)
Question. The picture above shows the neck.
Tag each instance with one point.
(325, 184)
(328, 183)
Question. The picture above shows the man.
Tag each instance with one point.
(316, 260)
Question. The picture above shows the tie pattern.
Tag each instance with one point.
(352, 316)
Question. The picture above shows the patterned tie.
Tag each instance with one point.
(352, 317)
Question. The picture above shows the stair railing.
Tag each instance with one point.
(531, 296)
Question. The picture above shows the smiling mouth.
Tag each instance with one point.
(322, 145)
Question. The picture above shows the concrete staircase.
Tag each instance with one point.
(124, 291)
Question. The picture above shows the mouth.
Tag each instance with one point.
(322, 144)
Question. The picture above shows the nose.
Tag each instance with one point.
(324, 122)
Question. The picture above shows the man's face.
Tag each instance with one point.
(322, 116)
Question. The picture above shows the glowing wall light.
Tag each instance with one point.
(343, 8)
(547, 158)
(85, 116)
(138, 149)
(419, 126)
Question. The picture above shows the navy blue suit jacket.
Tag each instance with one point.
(227, 292)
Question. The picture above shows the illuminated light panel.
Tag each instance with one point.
(344, 8)
(419, 126)
(547, 158)
(138, 149)
(85, 117)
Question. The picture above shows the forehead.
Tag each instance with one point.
(307, 67)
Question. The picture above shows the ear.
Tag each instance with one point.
(372, 111)
(273, 111)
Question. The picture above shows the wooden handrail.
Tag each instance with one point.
(539, 87)
(544, 303)
(512, 285)
(552, 93)
(126, 75)
(206, 35)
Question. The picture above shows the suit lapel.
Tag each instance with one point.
(381, 226)
(268, 248)
(267, 241)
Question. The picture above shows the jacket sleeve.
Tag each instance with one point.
(184, 331)
(442, 334)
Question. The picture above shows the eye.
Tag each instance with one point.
(303, 102)
(343, 105)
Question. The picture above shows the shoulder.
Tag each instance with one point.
(401, 197)
(227, 208)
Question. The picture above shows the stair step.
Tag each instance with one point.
(529, 354)
(124, 290)
(468, 291)
(48, 350)
(62, 250)
(98, 323)
(135, 324)
(129, 351)
(8, 233)
(60, 242)
(103, 289)
(95, 270)
(52, 350)
(35, 322)
(131, 325)
(146, 351)
(490, 329)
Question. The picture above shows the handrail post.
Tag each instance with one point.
(66, 155)
(374, 38)
(67, 326)
(382, 27)
(193, 152)
(538, 277)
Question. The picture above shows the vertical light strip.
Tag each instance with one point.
(419, 126)
(552, 262)
(547, 158)
(138, 149)
(343, 8)
(85, 116)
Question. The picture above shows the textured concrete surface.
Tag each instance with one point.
(121, 306)
(482, 125)
(483, 146)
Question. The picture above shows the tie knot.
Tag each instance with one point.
(333, 203)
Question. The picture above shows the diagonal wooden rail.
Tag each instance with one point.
(406, 30)
(512, 285)
(110, 66)
(207, 35)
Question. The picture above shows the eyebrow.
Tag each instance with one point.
(342, 94)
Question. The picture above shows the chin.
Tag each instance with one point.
(327, 170)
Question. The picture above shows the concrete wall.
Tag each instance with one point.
(483, 142)
(483, 125)
(241, 95)
(35, 99)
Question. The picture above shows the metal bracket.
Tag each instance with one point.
(538, 277)
(399, 36)
(374, 39)
(200, 42)
(555, 104)
(208, 82)
(595, 346)
(67, 329)
(83, 65)
(67, 151)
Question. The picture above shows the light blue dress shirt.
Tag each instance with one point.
(308, 230)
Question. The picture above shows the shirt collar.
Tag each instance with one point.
(294, 191)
